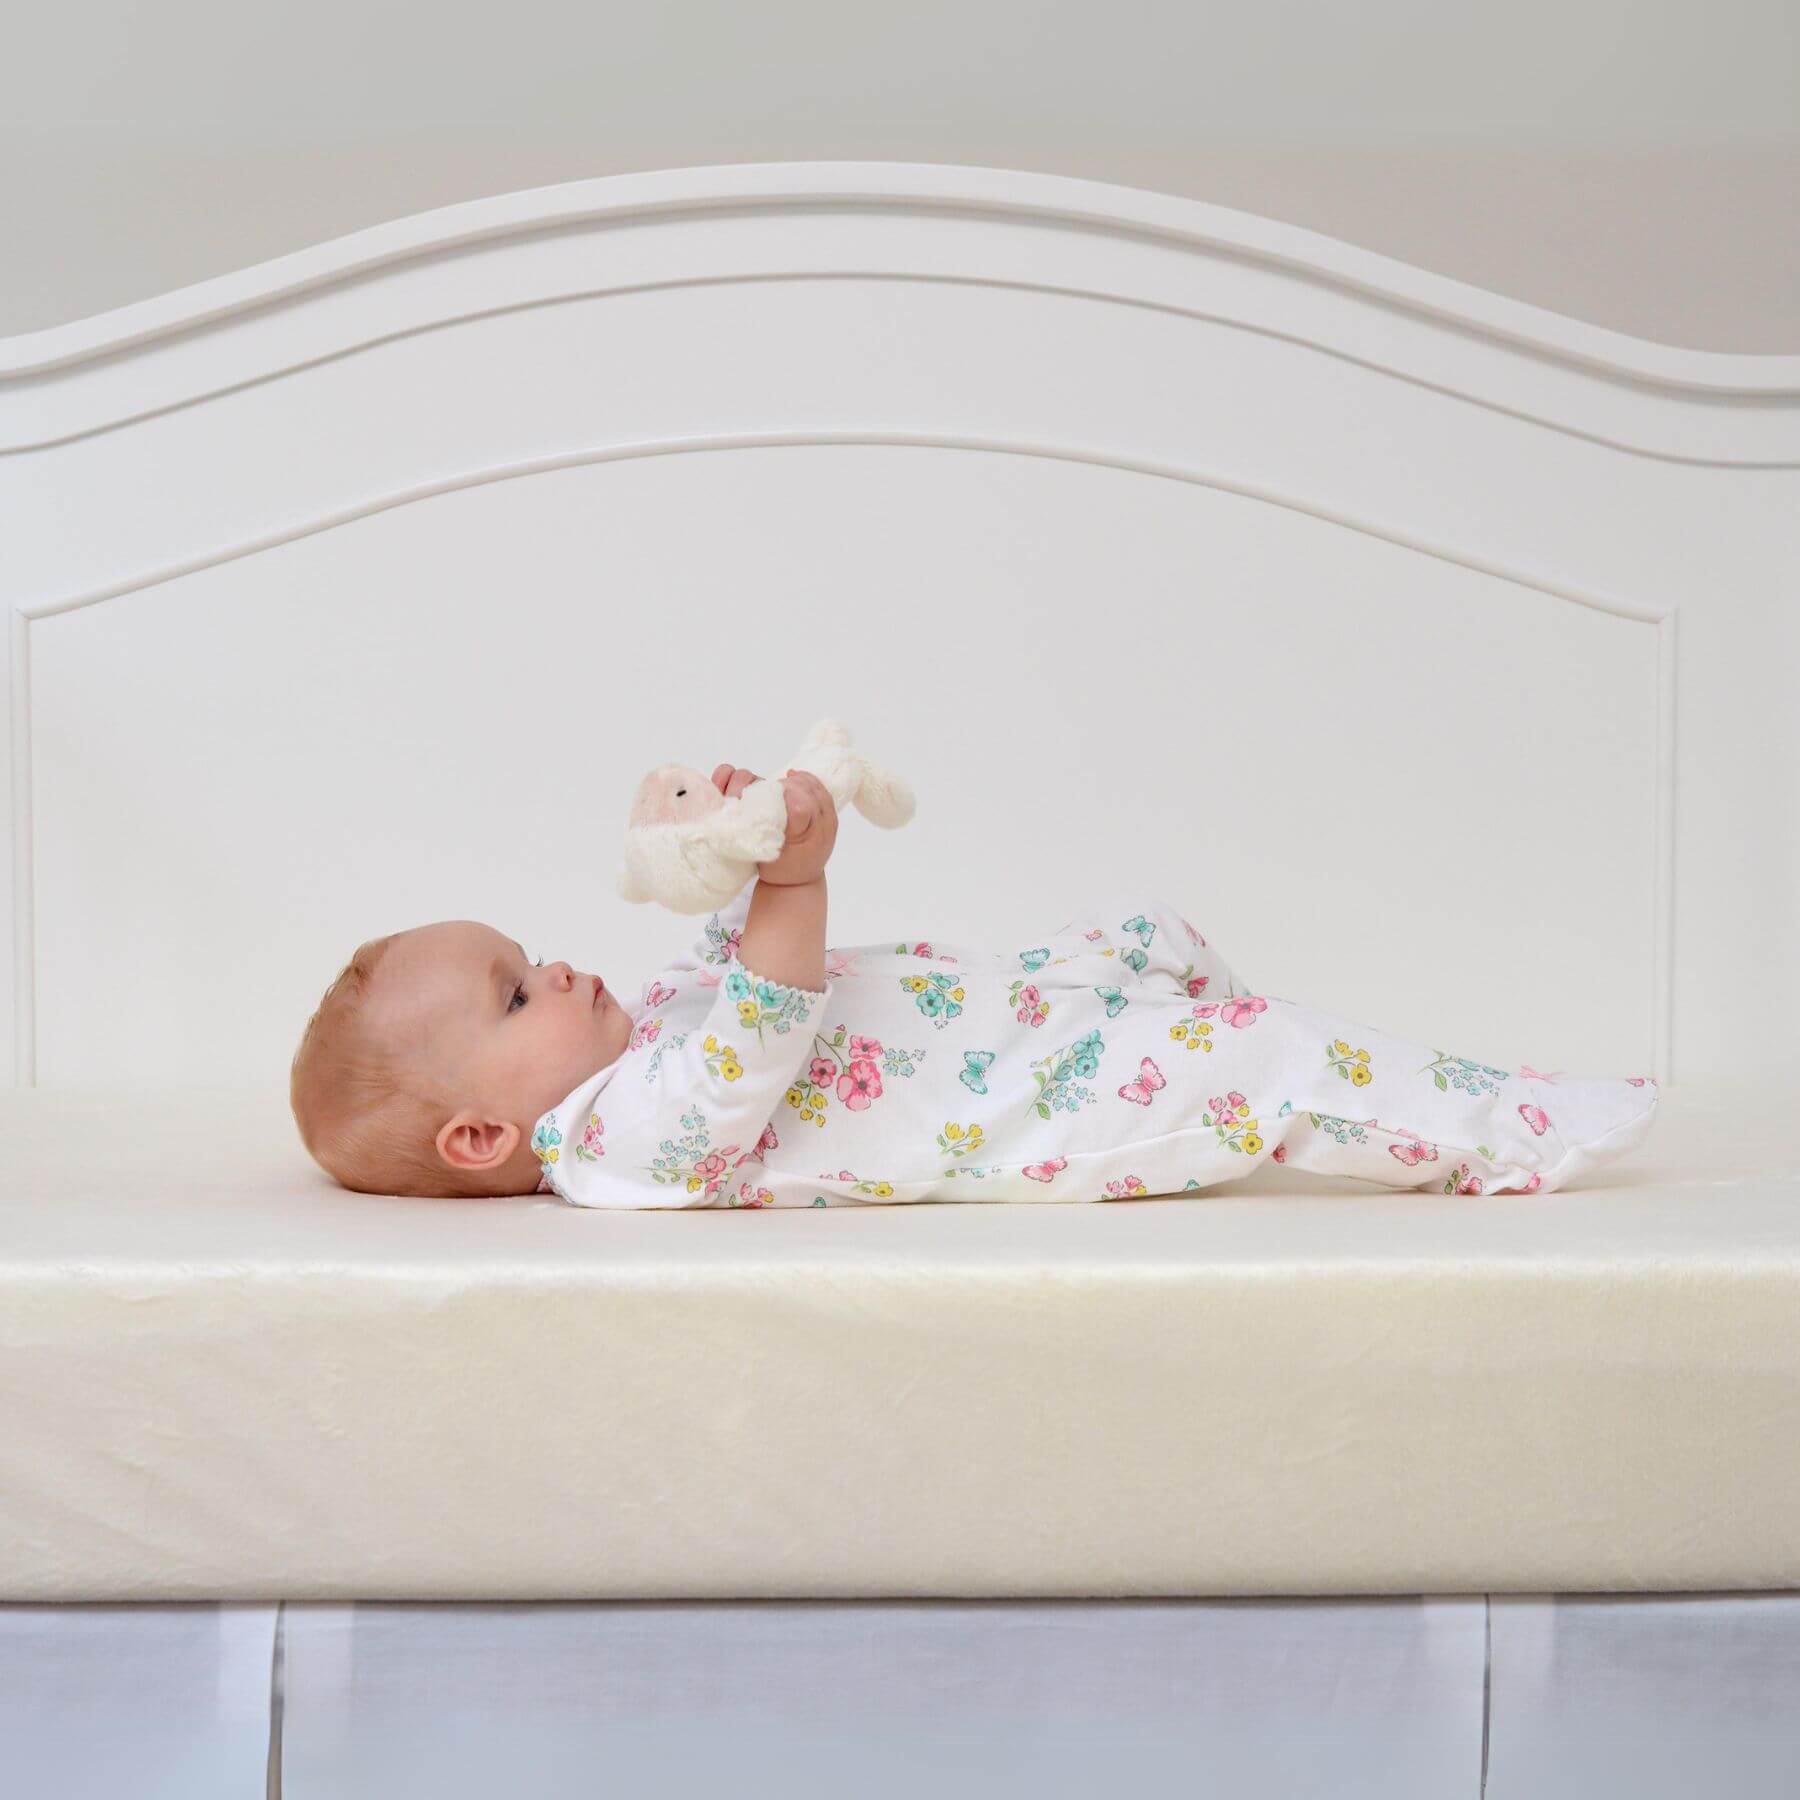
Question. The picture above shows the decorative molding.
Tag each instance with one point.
(620, 290)
(24, 1005)
(24, 954)
(1051, 199)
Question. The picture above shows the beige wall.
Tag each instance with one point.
(1636, 164)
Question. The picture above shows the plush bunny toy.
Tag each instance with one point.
(691, 849)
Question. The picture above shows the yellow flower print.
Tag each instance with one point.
(1195, 1033)
(792, 1096)
(731, 1068)
(957, 994)
(693, 1184)
(712, 1043)
(958, 1140)
(748, 1013)
(884, 1189)
(1353, 1065)
(1252, 1143)
(914, 984)
(723, 1059)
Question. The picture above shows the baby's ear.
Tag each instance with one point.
(471, 1142)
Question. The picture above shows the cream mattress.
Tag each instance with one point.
(221, 1377)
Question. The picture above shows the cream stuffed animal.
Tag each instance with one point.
(691, 849)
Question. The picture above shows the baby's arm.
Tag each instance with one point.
(709, 1095)
(676, 1120)
(784, 931)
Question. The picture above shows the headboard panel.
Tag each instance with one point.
(1160, 547)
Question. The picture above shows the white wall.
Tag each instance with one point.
(1632, 162)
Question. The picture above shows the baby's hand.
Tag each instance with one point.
(811, 824)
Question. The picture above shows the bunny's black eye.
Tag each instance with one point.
(679, 792)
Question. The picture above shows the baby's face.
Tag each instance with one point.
(495, 1030)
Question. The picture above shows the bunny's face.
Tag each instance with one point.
(673, 794)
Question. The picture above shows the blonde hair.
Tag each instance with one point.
(357, 1101)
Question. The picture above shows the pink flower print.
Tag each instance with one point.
(1229, 1104)
(1045, 1171)
(1243, 1011)
(750, 1195)
(590, 1139)
(1534, 1117)
(1093, 937)
(646, 1032)
(838, 964)
(1415, 1152)
(1462, 1182)
(924, 950)
(1532, 1074)
(1279, 1153)
(714, 1169)
(1127, 1188)
(1639, 1080)
(1197, 986)
(709, 977)
(864, 1049)
(1532, 1186)
(1031, 1011)
(822, 1073)
(859, 1085)
(768, 1141)
(656, 994)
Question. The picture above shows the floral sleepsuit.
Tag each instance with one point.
(1118, 1056)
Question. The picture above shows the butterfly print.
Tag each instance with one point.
(1141, 1089)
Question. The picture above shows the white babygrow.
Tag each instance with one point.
(1118, 1056)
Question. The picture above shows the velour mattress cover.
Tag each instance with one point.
(221, 1377)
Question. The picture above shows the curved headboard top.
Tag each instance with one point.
(1059, 200)
(432, 269)
(1336, 599)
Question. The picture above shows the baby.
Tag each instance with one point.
(1119, 1056)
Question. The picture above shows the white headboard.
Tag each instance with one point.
(1435, 653)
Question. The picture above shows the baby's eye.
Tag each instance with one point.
(519, 993)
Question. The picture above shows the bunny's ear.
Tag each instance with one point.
(884, 799)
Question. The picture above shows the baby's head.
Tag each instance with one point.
(435, 1052)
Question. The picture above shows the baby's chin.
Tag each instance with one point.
(615, 1025)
